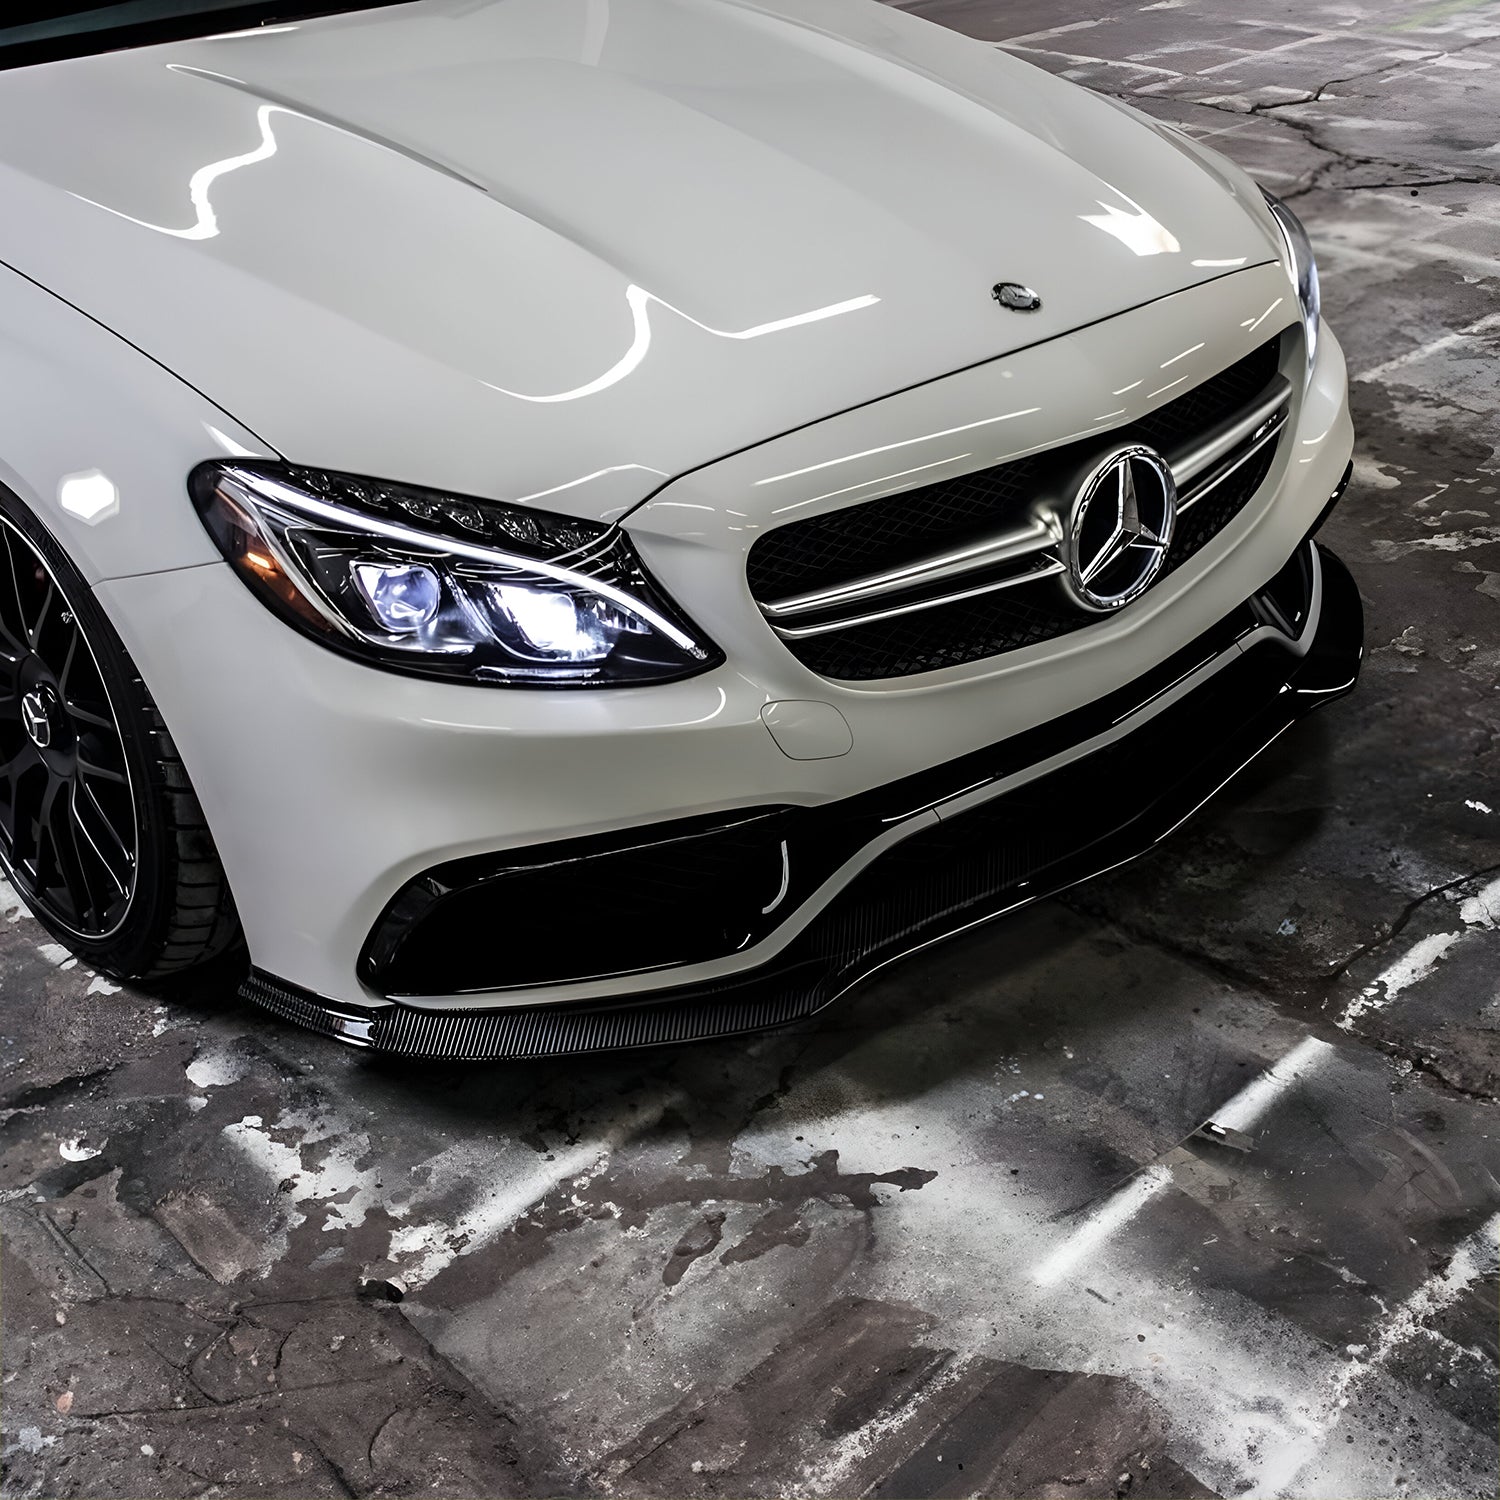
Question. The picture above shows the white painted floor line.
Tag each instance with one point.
(434, 1246)
(1248, 57)
(1481, 910)
(1083, 60)
(336, 1180)
(1476, 1256)
(1484, 325)
(1411, 968)
(1246, 1107)
(437, 1245)
(829, 1473)
(1239, 1113)
(1104, 1221)
(1051, 31)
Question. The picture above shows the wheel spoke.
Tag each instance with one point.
(26, 755)
(17, 765)
(7, 626)
(90, 716)
(92, 862)
(10, 681)
(34, 632)
(100, 773)
(10, 777)
(75, 877)
(67, 666)
(63, 835)
(102, 837)
(48, 860)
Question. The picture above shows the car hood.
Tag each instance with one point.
(560, 251)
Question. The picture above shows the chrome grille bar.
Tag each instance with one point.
(1009, 545)
(1046, 566)
(1237, 440)
(1188, 464)
(1267, 432)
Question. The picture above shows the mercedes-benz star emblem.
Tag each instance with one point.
(1016, 297)
(35, 721)
(1120, 529)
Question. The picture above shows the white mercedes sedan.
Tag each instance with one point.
(569, 524)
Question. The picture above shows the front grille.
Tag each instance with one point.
(828, 550)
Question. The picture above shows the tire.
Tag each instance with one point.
(100, 832)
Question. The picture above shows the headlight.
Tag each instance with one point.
(442, 585)
(1302, 267)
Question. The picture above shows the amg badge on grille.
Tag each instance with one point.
(1016, 297)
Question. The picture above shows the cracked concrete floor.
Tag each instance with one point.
(963, 1236)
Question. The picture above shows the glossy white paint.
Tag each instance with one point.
(709, 266)
(76, 401)
(563, 250)
(805, 729)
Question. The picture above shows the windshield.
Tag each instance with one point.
(42, 30)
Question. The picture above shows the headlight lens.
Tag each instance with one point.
(444, 585)
(1302, 267)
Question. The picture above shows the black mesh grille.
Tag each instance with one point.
(826, 550)
(1219, 507)
(1215, 400)
(946, 636)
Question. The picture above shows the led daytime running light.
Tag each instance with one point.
(336, 515)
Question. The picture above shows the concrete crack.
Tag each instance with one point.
(375, 1436)
(1411, 908)
(252, 1402)
(1430, 1070)
(1366, 187)
(57, 1234)
(339, 1476)
(1315, 178)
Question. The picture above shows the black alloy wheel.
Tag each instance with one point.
(67, 815)
(100, 833)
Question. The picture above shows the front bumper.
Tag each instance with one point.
(876, 876)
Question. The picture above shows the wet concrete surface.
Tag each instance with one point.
(1187, 1185)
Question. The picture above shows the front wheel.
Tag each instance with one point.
(100, 832)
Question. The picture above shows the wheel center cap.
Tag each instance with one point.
(36, 720)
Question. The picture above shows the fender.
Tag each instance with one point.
(97, 439)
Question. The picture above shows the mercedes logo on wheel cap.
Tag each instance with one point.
(1120, 528)
(35, 721)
